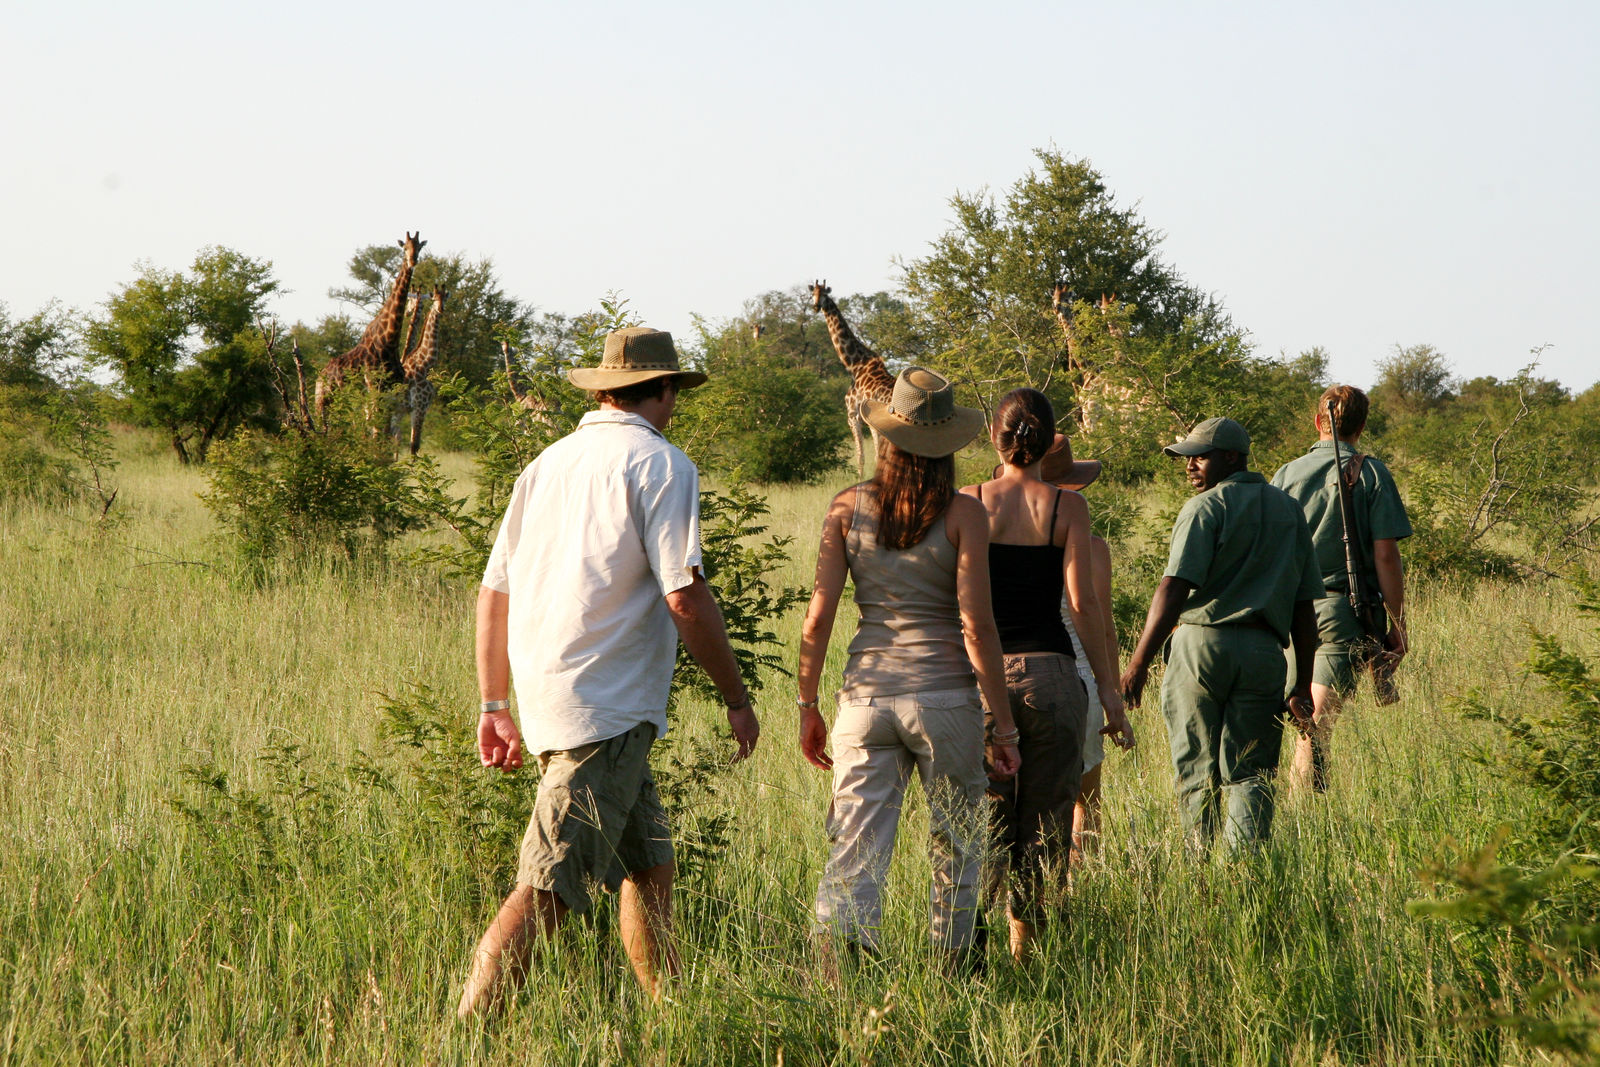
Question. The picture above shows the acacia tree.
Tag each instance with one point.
(187, 350)
(1154, 352)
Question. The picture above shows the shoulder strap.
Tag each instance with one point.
(1051, 539)
(1352, 470)
(980, 492)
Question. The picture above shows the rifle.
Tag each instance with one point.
(1366, 603)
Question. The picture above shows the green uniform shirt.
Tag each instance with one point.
(1376, 502)
(1246, 548)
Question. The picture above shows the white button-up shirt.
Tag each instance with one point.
(599, 529)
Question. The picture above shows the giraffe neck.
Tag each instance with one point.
(420, 360)
(850, 349)
(380, 344)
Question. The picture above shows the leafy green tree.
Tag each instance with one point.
(761, 417)
(1414, 380)
(36, 350)
(1147, 354)
(469, 344)
(188, 351)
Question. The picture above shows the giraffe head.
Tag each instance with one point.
(412, 246)
(439, 296)
(819, 292)
(1061, 297)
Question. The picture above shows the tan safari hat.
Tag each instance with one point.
(922, 416)
(636, 354)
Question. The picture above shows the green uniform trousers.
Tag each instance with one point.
(1222, 695)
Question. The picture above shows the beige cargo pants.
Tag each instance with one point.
(877, 740)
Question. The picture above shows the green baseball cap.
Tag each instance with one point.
(1210, 436)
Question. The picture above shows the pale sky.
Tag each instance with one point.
(1354, 175)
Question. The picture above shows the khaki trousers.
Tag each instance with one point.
(877, 741)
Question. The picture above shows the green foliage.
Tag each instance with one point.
(1413, 381)
(1498, 480)
(760, 418)
(302, 498)
(54, 444)
(1150, 354)
(1545, 908)
(739, 566)
(187, 350)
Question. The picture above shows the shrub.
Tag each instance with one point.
(1533, 923)
(306, 496)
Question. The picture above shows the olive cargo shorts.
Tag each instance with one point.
(597, 819)
(1341, 634)
(1030, 815)
(1222, 698)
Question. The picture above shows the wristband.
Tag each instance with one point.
(742, 702)
(1010, 738)
(806, 703)
(490, 706)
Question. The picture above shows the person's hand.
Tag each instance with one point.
(499, 740)
(746, 729)
(1396, 643)
(1301, 709)
(1133, 680)
(814, 739)
(1004, 761)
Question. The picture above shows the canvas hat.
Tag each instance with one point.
(1211, 435)
(636, 354)
(1059, 466)
(922, 416)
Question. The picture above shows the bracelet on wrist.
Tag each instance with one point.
(1009, 738)
(742, 702)
(489, 707)
(812, 703)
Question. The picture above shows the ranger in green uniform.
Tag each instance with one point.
(1241, 579)
(1380, 523)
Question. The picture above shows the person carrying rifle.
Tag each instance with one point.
(1362, 622)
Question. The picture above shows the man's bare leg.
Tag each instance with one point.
(506, 946)
(1022, 937)
(1311, 753)
(645, 910)
(1086, 817)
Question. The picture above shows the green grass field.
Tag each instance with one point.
(212, 854)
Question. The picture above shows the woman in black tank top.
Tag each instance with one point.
(1039, 546)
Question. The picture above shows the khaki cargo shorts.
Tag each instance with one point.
(597, 819)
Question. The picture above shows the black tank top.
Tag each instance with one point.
(1025, 585)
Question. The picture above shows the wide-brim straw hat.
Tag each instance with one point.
(633, 355)
(922, 416)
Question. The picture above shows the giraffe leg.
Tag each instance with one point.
(421, 398)
(852, 415)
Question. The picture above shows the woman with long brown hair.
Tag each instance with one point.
(1039, 544)
(918, 556)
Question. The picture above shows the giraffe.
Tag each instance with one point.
(377, 355)
(871, 380)
(542, 409)
(417, 363)
(1098, 397)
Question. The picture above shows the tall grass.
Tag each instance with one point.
(212, 853)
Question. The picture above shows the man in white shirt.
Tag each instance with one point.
(594, 577)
